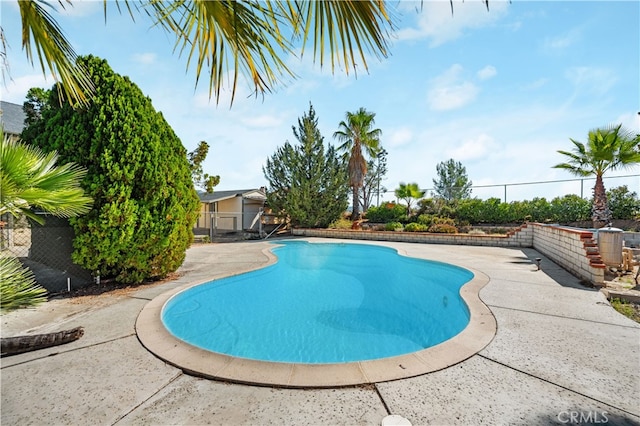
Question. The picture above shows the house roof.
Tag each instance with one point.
(12, 117)
(253, 194)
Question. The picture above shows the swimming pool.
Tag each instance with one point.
(324, 303)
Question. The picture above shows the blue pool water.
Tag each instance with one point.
(324, 303)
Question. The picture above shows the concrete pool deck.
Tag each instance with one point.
(560, 354)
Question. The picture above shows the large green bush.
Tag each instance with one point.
(570, 208)
(386, 213)
(623, 203)
(137, 173)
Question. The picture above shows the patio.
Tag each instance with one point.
(561, 353)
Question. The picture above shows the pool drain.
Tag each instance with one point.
(395, 420)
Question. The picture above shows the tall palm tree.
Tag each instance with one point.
(359, 139)
(608, 148)
(227, 37)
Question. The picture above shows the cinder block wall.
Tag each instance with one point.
(521, 237)
(573, 249)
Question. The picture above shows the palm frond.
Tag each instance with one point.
(53, 51)
(18, 288)
(30, 178)
(227, 37)
(345, 30)
(607, 148)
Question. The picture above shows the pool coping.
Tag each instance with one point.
(476, 336)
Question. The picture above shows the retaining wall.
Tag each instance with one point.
(573, 249)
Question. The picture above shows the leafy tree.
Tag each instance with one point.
(228, 37)
(37, 102)
(407, 192)
(30, 179)
(137, 173)
(452, 184)
(200, 179)
(307, 183)
(359, 140)
(570, 208)
(376, 170)
(624, 204)
(607, 149)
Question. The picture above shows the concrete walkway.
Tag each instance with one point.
(561, 355)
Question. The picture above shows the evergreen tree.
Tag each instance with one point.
(372, 186)
(307, 183)
(200, 178)
(453, 184)
(137, 174)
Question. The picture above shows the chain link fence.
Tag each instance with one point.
(45, 250)
(219, 225)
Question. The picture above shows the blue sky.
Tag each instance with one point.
(500, 90)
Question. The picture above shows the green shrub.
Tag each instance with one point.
(623, 203)
(415, 227)
(443, 228)
(393, 226)
(386, 213)
(425, 219)
(569, 208)
(145, 204)
(341, 223)
(443, 221)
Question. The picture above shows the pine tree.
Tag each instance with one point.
(307, 183)
(453, 184)
(137, 173)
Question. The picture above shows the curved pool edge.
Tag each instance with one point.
(476, 336)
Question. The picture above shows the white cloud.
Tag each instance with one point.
(563, 41)
(537, 84)
(262, 121)
(398, 137)
(16, 89)
(473, 149)
(436, 22)
(591, 79)
(487, 72)
(449, 91)
(80, 8)
(147, 58)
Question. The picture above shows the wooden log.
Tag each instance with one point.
(21, 344)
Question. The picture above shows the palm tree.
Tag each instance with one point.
(29, 178)
(251, 37)
(407, 192)
(608, 148)
(356, 133)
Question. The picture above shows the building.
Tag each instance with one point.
(12, 118)
(230, 211)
